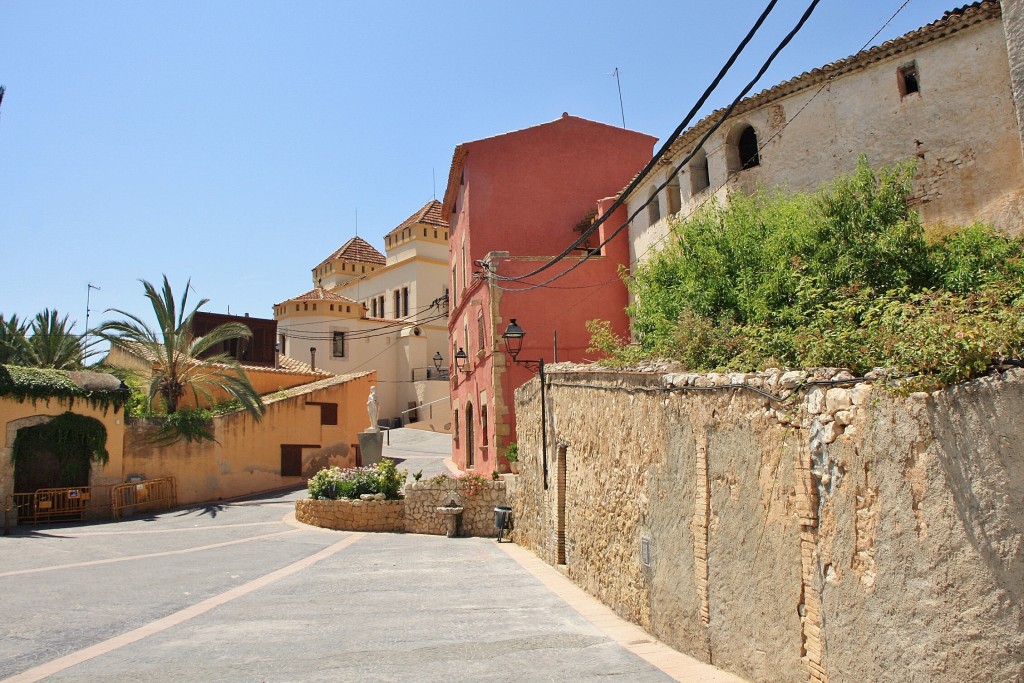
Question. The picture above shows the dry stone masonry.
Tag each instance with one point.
(416, 513)
(788, 525)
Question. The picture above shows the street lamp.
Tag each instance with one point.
(460, 360)
(438, 359)
(513, 346)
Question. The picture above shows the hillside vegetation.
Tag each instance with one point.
(843, 277)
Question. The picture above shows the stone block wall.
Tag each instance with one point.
(788, 525)
(423, 497)
(416, 513)
(352, 515)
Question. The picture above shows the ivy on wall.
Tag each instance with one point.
(77, 440)
(35, 384)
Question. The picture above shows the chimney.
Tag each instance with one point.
(312, 357)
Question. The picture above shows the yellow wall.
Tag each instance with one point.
(15, 415)
(246, 456)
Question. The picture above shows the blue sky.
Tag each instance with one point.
(235, 142)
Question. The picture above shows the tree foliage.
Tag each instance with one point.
(841, 277)
(183, 363)
(48, 341)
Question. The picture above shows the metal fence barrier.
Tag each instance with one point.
(74, 504)
(68, 504)
(150, 494)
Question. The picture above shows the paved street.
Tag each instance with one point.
(239, 591)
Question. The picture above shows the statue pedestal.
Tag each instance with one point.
(371, 444)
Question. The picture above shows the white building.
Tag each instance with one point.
(941, 94)
(368, 311)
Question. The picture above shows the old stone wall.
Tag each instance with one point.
(788, 525)
(416, 513)
(352, 515)
(424, 497)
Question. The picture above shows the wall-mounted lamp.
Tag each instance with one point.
(513, 346)
(438, 359)
(461, 359)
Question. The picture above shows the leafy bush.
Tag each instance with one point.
(333, 483)
(841, 277)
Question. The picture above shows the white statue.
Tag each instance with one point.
(372, 408)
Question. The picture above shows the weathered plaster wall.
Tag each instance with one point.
(961, 127)
(14, 415)
(841, 534)
(246, 456)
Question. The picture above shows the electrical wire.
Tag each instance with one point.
(621, 198)
(721, 120)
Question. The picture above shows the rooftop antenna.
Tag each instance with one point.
(433, 181)
(357, 222)
(619, 85)
(88, 297)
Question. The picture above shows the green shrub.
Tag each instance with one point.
(332, 483)
(842, 277)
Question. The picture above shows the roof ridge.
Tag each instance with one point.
(950, 22)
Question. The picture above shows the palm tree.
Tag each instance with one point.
(13, 341)
(182, 362)
(53, 344)
(48, 342)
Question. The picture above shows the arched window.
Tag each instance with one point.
(700, 177)
(672, 194)
(747, 147)
(653, 209)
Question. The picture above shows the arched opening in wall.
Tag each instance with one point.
(700, 177)
(742, 148)
(672, 194)
(55, 452)
(653, 209)
(470, 437)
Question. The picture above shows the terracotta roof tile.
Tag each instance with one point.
(319, 294)
(951, 22)
(357, 249)
(430, 214)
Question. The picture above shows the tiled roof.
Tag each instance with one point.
(290, 365)
(315, 386)
(319, 294)
(461, 150)
(430, 214)
(357, 249)
(951, 22)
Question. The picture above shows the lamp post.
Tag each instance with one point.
(513, 337)
(438, 359)
(461, 357)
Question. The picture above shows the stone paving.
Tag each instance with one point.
(239, 591)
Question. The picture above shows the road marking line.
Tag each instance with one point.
(128, 532)
(126, 558)
(60, 664)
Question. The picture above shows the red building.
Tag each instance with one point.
(514, 201)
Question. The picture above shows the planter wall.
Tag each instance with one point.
(352, 515)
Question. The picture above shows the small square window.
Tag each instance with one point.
(908, 79)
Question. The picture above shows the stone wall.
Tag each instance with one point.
(423, 497)
(788, 526)
(352, 515)
(416, 513)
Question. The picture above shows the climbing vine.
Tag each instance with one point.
(39, 384)
(77, 440)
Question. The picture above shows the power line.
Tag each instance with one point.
(621, 198)
(721, 120)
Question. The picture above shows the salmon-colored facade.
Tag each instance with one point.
(513, 202)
